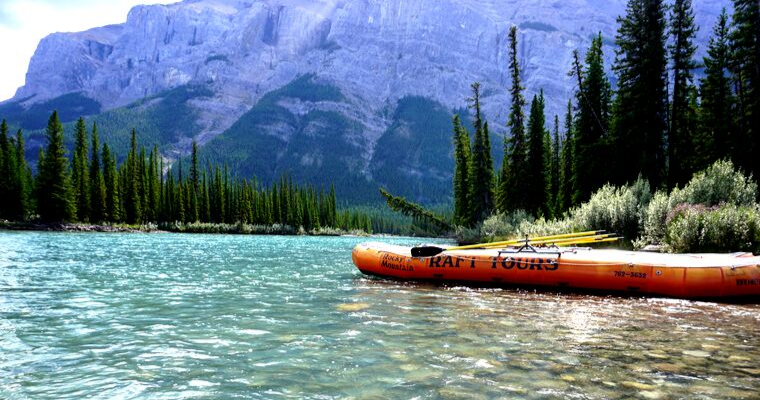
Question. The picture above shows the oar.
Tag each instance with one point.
(522, 241)
(585, 241)
(429, 251)
(555, 241)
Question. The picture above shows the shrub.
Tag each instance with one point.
(618, 210)
(504, 225)
(719, 184)
(696, 228)
(715, 212)
(614, 209)
(654, 220)
(542, 227)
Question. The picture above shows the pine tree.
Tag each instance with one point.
(206, 201)
(227, 196)
(567, 169)
(536, 174)
(111, 181)
(142, 176)
(169, 200)
(5, 175)
(591, 123)
(332, 207)
(195, 178)
(13, 176)
(682, 49)
(481, 170)
(639, 114)
(554, 170)
(20, 203)
(154, 185)
(745, 43)
(717, 139)
(79, 175)
(513, 186)
(462, 162)
(132, 204)
(179, 197)
(97, 182)
(55, 201)
(219, 196)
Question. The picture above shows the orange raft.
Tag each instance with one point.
(734, 275)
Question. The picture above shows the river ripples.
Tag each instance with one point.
(170, 316)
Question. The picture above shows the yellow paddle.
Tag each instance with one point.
(556, 241)
(429, 251)
(530, 240)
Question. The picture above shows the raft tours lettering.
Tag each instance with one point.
(529, 263)
(398, 263)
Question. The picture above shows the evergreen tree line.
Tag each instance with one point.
(92, 188)
(659, 123)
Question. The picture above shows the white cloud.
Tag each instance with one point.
(23, 23)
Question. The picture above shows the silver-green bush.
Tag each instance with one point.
(611, 208)
(714, 229)
(719, 184)
(616, 209)
(715, 211)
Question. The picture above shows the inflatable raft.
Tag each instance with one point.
(673, 275)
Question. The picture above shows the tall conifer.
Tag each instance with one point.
(97, 182)
(462, 162)
(554, 169)
(591, 123)
(79, 174)
(567, 169)
(537, 201)
(513, 186)
(745, 43)
(55, 201)
(680, 135)
(481, 171)
(639, 114)
(133, 207)
(5, 177)
(20, 208)
(111, 181)
(195, 178)
(717, 138)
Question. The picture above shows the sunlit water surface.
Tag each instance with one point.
(170, 316)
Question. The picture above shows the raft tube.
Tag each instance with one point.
(690, 276)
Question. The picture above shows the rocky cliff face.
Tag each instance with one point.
(374, 52)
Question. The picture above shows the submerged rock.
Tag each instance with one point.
(637, 385)
(352, 306)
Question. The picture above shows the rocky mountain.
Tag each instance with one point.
(353, 91)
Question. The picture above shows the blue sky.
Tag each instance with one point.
(24, 22)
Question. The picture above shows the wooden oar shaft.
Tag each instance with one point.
(530, 240)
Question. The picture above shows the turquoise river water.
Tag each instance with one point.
(172, 316)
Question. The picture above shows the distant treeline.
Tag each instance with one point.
(659, 124)
(91, 188)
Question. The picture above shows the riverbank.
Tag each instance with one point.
(179, 227)
(64, 227)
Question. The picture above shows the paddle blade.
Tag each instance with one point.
(426, 251)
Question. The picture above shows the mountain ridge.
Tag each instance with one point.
(376, 54)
